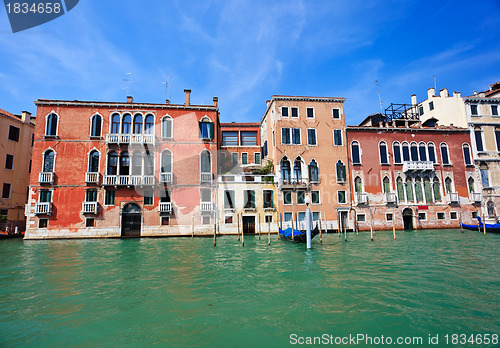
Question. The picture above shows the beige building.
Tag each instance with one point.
(15, 156)
(444, 108)
(305, 139)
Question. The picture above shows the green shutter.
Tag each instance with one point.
(211, 130)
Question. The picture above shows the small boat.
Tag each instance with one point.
(6, 235)
(491, 228)
(298, 236)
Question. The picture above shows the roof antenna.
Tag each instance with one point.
(129, 88)
(379, 99)
(434, 77)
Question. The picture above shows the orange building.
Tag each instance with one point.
(109, 169)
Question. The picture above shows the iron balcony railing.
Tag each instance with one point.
(92, 177)
(206, 206)
(129, 180)
(46, 178)
(166, 178)
(165, 207)
(476, 197)
(390, 197)
(453, 197)
(43, 208)
(206, 178)
(130, 138)
(89, 207)
(418, 166)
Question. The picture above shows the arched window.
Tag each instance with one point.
(497, 137)
(206, 166)
(206, 128)
(432, 152)
(115, 124)
(414, 151)
(48, 161)
(444, 154)
(382, 147)
(400, 189)
(136, 163)
(112, 163)
(124, 163)
(95, 128)
(485, 178)
(436, 188)
(470, 183)
(406, 151)
(467, 157)
(358, 185)
(166, 127)
(386, 185)
(478, 136)
(341, 173)
(149, 161)
(355, 153)
(428, 190)
(396, 149)
(448, 184)
(422, 151)
(419, 195)
(409, 190)
(313, 171)
(127, 123)
(138, 124)
(166, 161)
(150, 124)
(94, 161)
(285, 169)
(51, 126)
(297, 169)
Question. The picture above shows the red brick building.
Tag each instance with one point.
(240, 145)
(410, 175)
(109, 169)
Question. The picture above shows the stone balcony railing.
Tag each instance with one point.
(361, 198)
(138, 139)
(92, 177)
(44, 208)
(129, 180)
(46, 178)
(452, 197)
(418, 166)
(89, 207)
(165, 207)
(166, 178)
(206, 178)
(390, 198)
(293, 183)
(206, 206)
(476, 197)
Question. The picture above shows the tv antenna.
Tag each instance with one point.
(434, 77)
(130, 84)
(166, 88)
(379, 99)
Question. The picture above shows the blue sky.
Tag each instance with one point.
(246, 51)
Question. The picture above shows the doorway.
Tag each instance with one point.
(343, 221)
(408, 219)
(131, 220)
(249, 224)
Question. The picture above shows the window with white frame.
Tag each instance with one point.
(355, 153)
(336, 113)
(166, 127)
(337, 137)
(444, 154)
(342, 197)
(284, 111)
(244, 158)
(95, 126)
(467, 156)
(432, 152)
(315, 197)
(295, 112)
(478, 136)
(285, 136)
(228, 199)
(473, 110)
(384, 158)
(310, 112)
(311, 136)
(249, 138)
(396, 149)
(256, 157)
(51, 125)
(287, 197)
(494, 110)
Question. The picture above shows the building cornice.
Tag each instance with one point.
(406, 130)
(481, 100)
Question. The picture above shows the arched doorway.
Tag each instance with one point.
(408, 219)
(131, 220)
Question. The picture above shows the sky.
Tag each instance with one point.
(244, 52)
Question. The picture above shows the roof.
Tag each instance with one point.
(40, 102)
(240, 124)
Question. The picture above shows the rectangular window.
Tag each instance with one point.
(45, 196)
(43, 223)
(431, 106)
(229, 138)
(453, 215)
(315, 197)
(310, 112)
(9, 162)
(13, 133)
(249, 138)
(479, 140)
(244, 158)
(295, 112)
(165, 220)
(285, 136)
(4, 212)
(206, 130)
(284, 111)
(109, 197)
(249, 199)
(315, 215)
(228, 220)
(474, 214)
(336, 113)
(337, 137)
(29, 167)
(296, 136)
(89, 222)
(311, 136)
(234, 158)
(421, 110)
(287, 197)
(256, 157)
(287, 217)
(388, 217)
(494, 110)
(341, 196)
(148, 197)
(91, 196)
(441, 216)
(473, 110)
(206, 195)
(268, 219)
(361, 217)
(229, 199)
(302, 216)
(6, 190)
(206, 220)
(422, 216)
(301, 197)
(268, 199)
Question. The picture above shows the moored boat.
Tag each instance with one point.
(491, 228)
(298, 235)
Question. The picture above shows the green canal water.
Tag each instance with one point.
(184, 292)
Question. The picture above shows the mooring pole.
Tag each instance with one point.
(320, 228)
(238, 219)
(394, 222)
(259, 226)
(294, 218)
(269, 233)
(215, 234)
(461, 227)
(345, 231)
(308, 222)
(192, 227)
(326, 223)
(242, 231)
(371, 223)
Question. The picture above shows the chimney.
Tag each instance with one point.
(456, 94)
(475, 92)
(431, 92)
(444, 93)
(187, 97)
(26, 116)
(413, 99)
(216, 101)
(167, 101)
(130, 99)
(268, 102)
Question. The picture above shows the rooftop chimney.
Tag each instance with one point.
(413, 99)
(130, 99)
(26, 116)
(456, 94)
(444, 92)
(216, 101)
(187, 97)
(167, 101)
(431, 92)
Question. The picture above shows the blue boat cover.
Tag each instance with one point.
(288, 232)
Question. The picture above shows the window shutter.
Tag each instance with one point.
(211, 130)
(200, 126)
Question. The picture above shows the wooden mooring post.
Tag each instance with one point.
(269, 233)
(192, 227)
(461, 227)
(371, 223)
(215, 233)
(238, 218)
(326, 223)
(394, 223)
(242, 231)
(320, 236)
(259, 226)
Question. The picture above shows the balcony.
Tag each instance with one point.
(138, 139)
(476, 197)
(206, 207)
(165, 207)
(453, 197)
(206, 178)
(43, 208)
(129, 180)
(293, 183)
(92, 178)
(390, 198)
(46, 178)
(166, 178)
(89, 207)
(268, 208)
(361, 198)
(418, 166)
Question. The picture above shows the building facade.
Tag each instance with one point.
(123, 169)
(15, 154)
